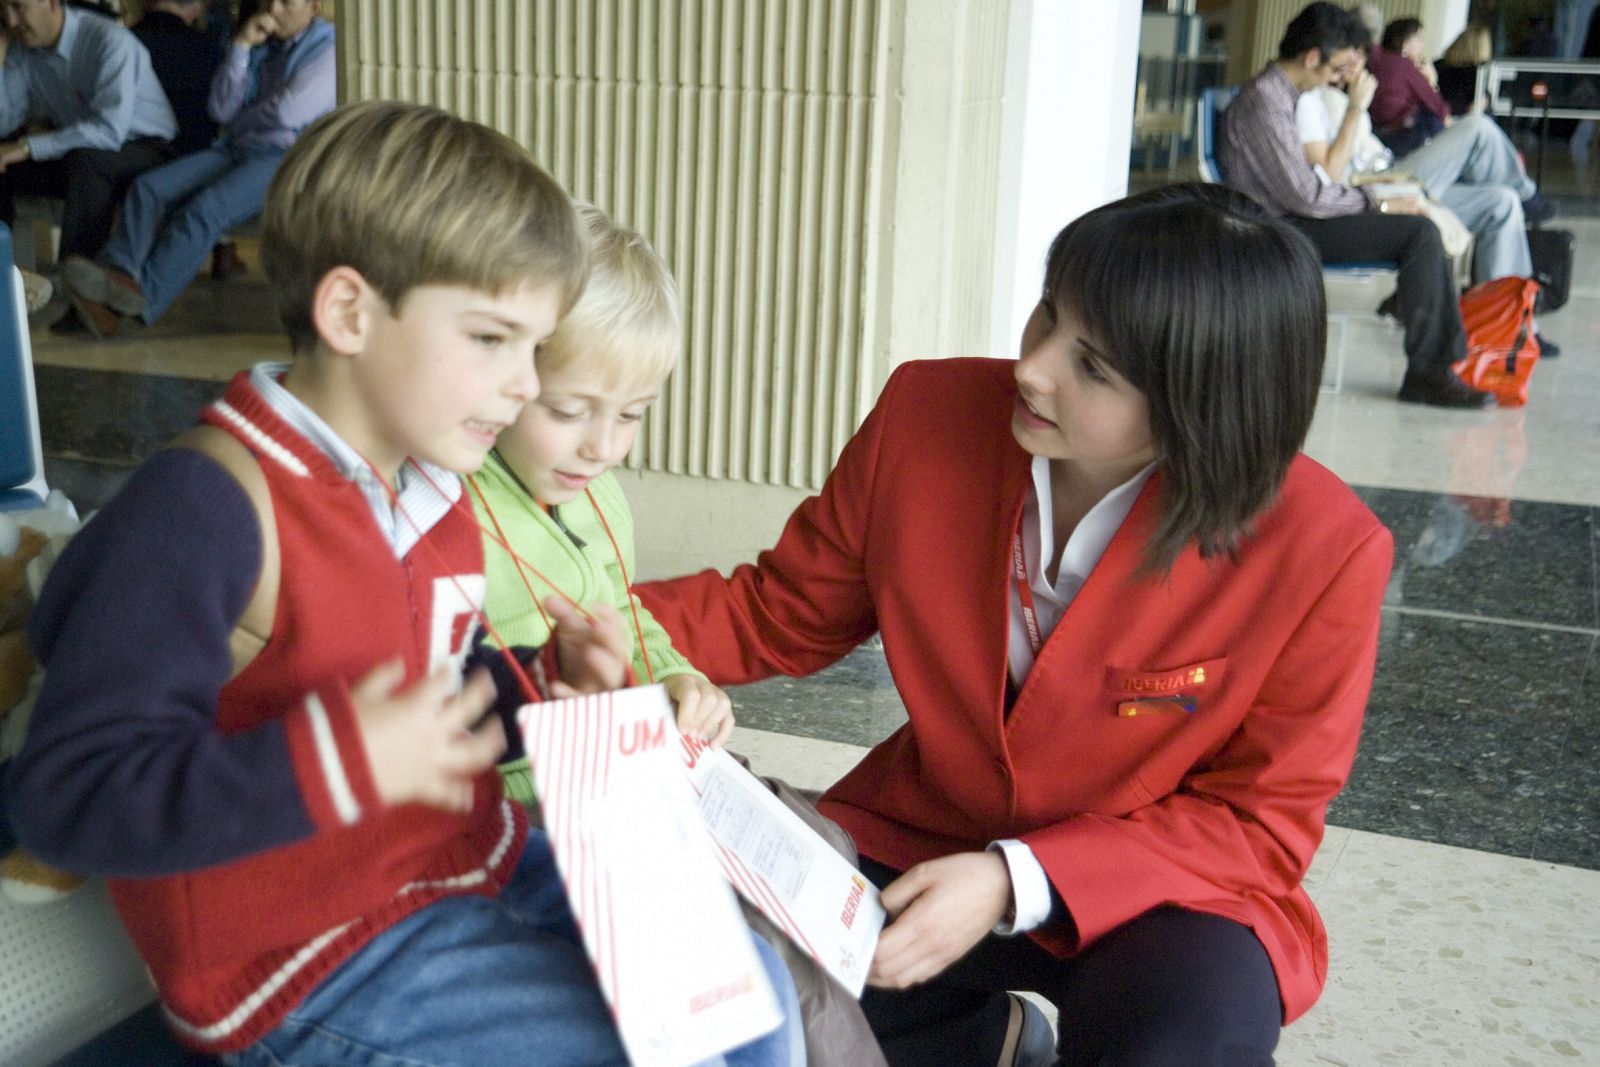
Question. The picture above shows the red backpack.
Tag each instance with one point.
(1501, 346)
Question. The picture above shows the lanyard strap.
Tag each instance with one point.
(1019, 573)
(627, 585)
(524, 568)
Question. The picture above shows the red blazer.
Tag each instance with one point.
(1218, 810)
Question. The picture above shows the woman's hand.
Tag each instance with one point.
(704, 711)
(940, 909)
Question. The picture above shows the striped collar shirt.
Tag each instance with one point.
(1259, 151)
(418, 505)
(95, 87)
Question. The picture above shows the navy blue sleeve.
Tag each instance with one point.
(509, 696)
(124, 771)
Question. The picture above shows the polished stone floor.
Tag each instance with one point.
(1461, 880)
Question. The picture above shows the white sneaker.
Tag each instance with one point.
(36, 290)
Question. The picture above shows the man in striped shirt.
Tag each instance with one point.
(1259, 152)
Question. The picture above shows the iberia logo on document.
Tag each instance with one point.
(852, 903)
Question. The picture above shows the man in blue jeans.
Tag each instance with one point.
(277, 78)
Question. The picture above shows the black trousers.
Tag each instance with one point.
(91, 180)
(1172, 988)
(1425, 295)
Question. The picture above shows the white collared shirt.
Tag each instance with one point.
(1088, 542)
(418, 505)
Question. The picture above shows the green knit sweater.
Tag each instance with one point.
(589, 574)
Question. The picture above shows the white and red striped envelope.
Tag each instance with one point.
(781, 866)
(670, 948)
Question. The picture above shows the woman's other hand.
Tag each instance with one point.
(940, 909)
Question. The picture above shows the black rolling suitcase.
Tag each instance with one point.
(1552, 265)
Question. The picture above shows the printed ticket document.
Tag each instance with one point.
(784, 868)
(672, 951)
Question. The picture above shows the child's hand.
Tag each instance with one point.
(704, 711)
(592, 656)
(421, 742)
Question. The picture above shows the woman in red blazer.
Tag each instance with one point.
(1133, 629)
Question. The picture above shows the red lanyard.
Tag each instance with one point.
(627, 585)
(524, 568)
(1019, 572)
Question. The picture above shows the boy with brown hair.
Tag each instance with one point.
(291, 792)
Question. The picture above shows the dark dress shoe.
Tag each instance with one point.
(1443, 390)
(1030, 1040)
(1538, 208)
(69, 325)
(225, 261)
(1548, 349)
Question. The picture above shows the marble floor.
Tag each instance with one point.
(1461, 878)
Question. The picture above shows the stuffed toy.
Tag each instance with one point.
(30, 541)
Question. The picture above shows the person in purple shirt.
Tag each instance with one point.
(277, 78)
(1407, 108)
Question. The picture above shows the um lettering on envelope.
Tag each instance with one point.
(642, 735)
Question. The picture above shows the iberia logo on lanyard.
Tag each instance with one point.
(1019, 571)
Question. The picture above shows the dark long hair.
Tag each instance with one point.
(1215, 311)
(1398, 32)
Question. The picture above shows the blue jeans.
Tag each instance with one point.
(1473, 169)
(173, 215)
(470, 981)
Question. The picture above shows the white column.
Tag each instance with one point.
(1065, 138)
(1442, 22)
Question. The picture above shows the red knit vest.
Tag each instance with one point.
(233, 948)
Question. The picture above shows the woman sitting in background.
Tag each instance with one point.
(1407, 109)
(1458, 69)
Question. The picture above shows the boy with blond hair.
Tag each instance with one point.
(547, 490)
(548, 495)
(284, 779)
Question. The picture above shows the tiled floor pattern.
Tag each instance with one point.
(1439, 955)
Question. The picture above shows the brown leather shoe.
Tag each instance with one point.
(103, 285)
(123, 294)
(1443, 391)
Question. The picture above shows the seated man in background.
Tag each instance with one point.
(1259, 151)
(277, 79)
(91, 82)
(185, 51)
